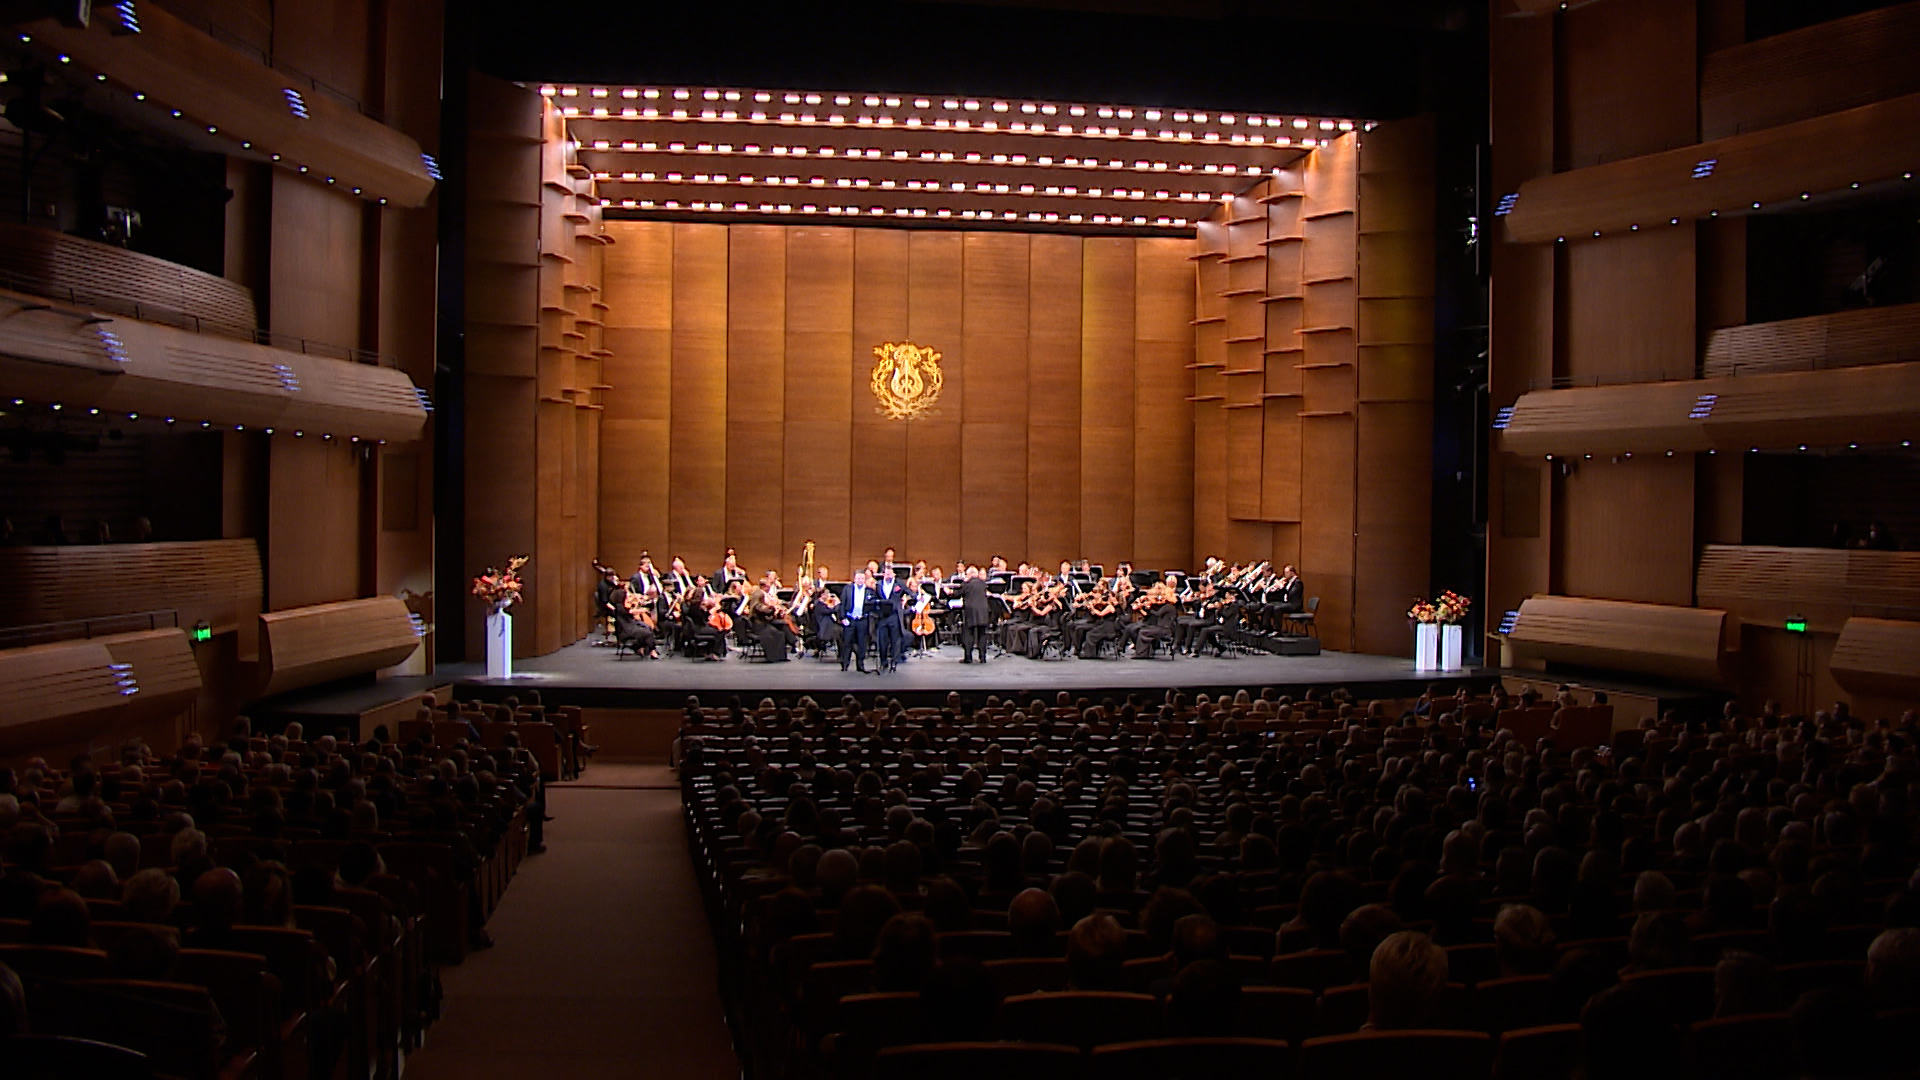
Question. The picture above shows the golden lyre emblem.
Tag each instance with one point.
(906, 379)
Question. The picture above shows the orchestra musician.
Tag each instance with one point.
(768, 619)
(605, 613)
(634, 622)
(646, 580)
(729, 572)
(1104, 605)
(678, 581)
(700, 618)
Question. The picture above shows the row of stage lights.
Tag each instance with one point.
(957, 187)
(941, 156)
(58, 408)
(1627, 455)
(961, 122)
(943, 213)
(295, 104)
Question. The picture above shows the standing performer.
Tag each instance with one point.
(856, 617)
(890, 614)
(975, 616)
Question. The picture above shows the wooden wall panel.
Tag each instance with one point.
(818, 470)
(880, 306)
(1644, 554)
(1327, 463)
(1053, 399)
(1163, 428)
(313, 505)
(756, 391)
(1822, 68)
(697, 454)
(1395, 522)
(1107, 399)
(1631, 81)
(635, 435)
(1633, 310)
(934, 304)
(993, 490)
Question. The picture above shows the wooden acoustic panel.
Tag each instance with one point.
(1879, 403)
(697, 461)
(163, 667)
(1869, 143)
(64, 692)
(309, 645)
(1828, 66)
(880, 306)
(88, 272)
(1875, 335)
(175, 63)
(215, 580)
(1767, 586)
(1878, 657)
(1664, 640)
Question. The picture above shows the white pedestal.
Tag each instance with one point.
(1451, 637)
(499, 645)
(1426, 646)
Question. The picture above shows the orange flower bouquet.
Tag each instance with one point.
(1447, 608)
(501, 588)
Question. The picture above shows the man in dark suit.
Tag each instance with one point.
(1291, 599)
(729, 572)
(856, 621)
(975, 616)
(889, 626)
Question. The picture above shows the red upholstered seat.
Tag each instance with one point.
(1537, 1053)
(1508, 1004)
(1685, 992)
(1396, 1055)
(1028, 974)
(1276, 1012)
(1315, 969)
(1742, 1048)
(1084, 1018)
(1192, 1059)
(977, 1061)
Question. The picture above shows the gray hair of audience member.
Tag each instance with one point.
(122, 852)
(837, 872)
(13, 1003)
(1523, 940)
(188, 845)
(95, 880)
(1652, 891)
(9, 811)
(1096, 953)
(1893, 969)
(149, 896)
(1407, 971)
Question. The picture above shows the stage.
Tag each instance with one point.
(586, 675)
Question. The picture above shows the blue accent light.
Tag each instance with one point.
(288, 380)
(426, 403)
(116, 349)
(1704, 169)
(1502, 418)
(1506, 204)
(296, 104)
(433, 167)
(127, 17)
(1508, 620)
(1703, 406)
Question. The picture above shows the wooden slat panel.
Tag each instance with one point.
(756, 393)
(65, 692)
(635, 433)
(1209, 480)
(1645, 555)
(1163, 431)
(1280, 455)
(1107, 399)
(215, 580)
(697, 456)
(1053, 399)
(1395, 519)
(89, 272)
(1881, 139)
(1327, 483)
(1670, 641)
(1818, 69)
(1629, 79)
(1879, 657)
(993, 489)
(305, 646)
(1630, 321)
(1244, 461)
(1879, 335)
(163, 666)
(820, 489)
(880, 313)
(934, 301)
(1768, 585)
(1053, 493)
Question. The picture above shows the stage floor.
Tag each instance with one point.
(585, 675)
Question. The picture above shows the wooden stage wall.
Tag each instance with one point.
(739, 411)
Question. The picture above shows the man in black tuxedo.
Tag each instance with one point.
(856, 621)
(1292, 592)
(603, 606)
(729, 572)
(889, 627)
(975, 616)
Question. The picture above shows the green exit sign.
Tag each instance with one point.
(1796, 626)
(203, 632)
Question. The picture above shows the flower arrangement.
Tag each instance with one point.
(1448, 607)
(501, 587)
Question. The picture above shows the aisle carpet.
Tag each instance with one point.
(604, 966)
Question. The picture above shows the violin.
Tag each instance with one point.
(638, 607)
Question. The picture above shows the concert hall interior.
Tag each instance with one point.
(487, 472)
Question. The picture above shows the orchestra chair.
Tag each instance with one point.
(1303, 621)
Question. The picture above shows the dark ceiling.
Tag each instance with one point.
(1365, 58)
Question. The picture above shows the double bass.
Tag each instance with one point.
(922, 623)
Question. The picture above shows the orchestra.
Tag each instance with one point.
(890, 610)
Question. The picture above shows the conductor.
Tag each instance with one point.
(856, 620)
(975, 616)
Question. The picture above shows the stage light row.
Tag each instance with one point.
(916, 212)
(960, 113)
(956, 157)
(981, 188)
(58, 409)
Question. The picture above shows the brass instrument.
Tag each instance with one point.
(806, 561)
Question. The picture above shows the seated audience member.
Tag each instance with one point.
(1362, 931)
(903, 954)
(960, 1000)
(1405, 977)
(1746, 984)
(149, 896)
(1523, 941)
(95, 880)
(1835, 1035)
(145, 952)
(122, 852)
(856, 926)
(1076, 895)
(1893, 969)
(1658, 940)
(1326, 900)
(1096, 953)
(218, 902)
(946, 904)
(1625, 1035)
(1033, 921)
(60, 918)
(1652, 891)
(1204, 999)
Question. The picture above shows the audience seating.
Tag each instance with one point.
(1195, 1058)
